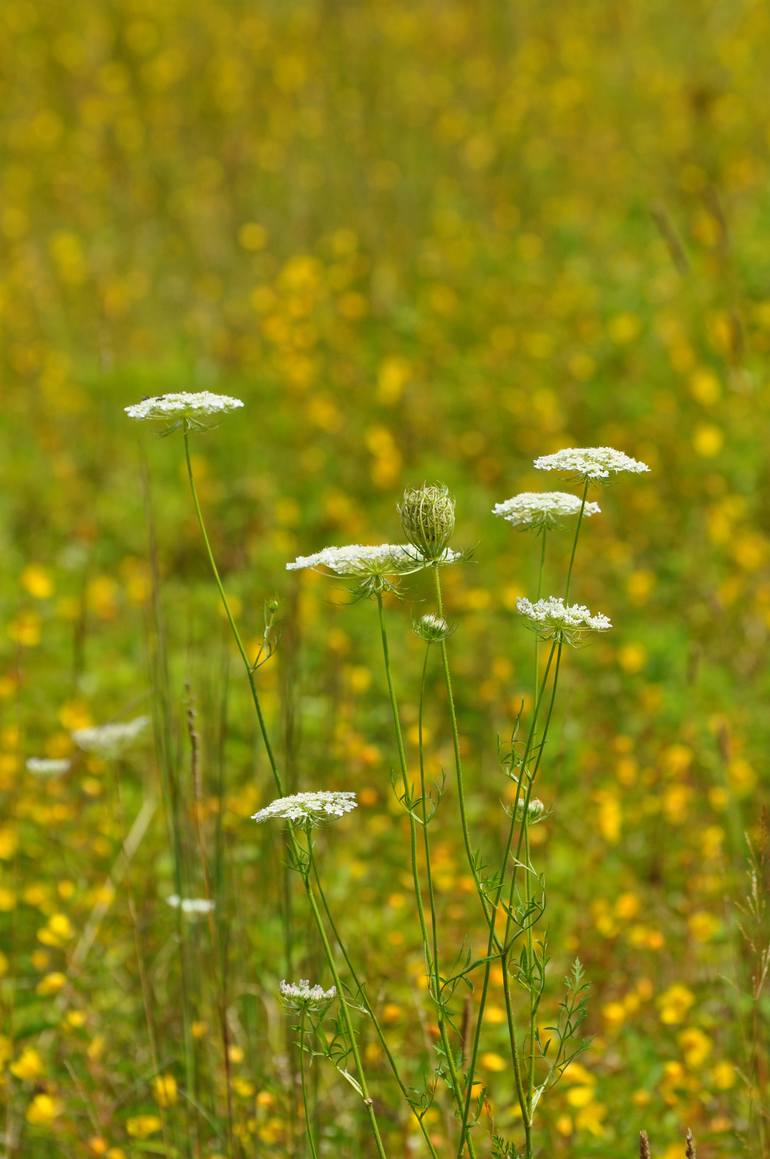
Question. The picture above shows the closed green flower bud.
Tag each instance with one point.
(428, 519)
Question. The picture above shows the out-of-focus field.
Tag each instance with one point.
(420, 241)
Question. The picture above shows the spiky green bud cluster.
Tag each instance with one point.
(432, 629)
(428, 519)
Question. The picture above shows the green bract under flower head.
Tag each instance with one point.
(308, 808)
(552, 619)
(590, 462)
(539, 510)
(363, 562)
(179, 405)
(428, 519)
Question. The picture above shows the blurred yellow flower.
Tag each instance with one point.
(43, 1109)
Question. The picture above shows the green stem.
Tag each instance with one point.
(231, 621)
(458, 759)
(575, 540)
(538, 593)
(370, 1011)
(308, 1120)
(429, 958)
(492, 941)
(367, 1099)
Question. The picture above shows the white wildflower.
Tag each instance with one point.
(590, 462)
(308, 808)
(182, 405)
(48, 767)
(552, 619)
(191, 906)
(363, 561)
(303, 994)
(541, 509)
(110, 740)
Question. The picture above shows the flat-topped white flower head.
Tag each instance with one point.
(539, 510)
(590, 462)
(552, 619)
(302, 994)
(191, 906)
(110, 740)
(48, 766)
(183, 404)
(363, 561)
(308, 808)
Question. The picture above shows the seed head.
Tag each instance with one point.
(428, 519)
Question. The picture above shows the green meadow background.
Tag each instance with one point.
(421, 240)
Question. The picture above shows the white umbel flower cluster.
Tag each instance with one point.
(362, 561)
(191, 906)
(48, 766)
(590, 462)
(110, 740)
(303, 994)
(540, 510)
(552, 619)
(308, 808)
(182, 405)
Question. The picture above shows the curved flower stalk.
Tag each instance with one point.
(305, 810)
(190, 409)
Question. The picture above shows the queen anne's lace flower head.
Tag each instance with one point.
(110, 740)
(362, 561)
(590, 462)
(552, 619)
(428, 519)
(308, 808)
(431, 628)
(541, 509)
(182, 405)
(48, 766)
(191, 906)
(302, 994)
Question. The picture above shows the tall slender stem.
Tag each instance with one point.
(231, 621)
(303, 1084)
(370, 1010)
(575, 540)
(492, 940)
(367, 1098)
(459, 776)
(430, 958)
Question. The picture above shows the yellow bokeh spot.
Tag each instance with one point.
(165, 1090)
(142, 1126)
(37, 581)
(28, 1066)
(43, 1109)
(708, 440)
(492, 1061)
(675, 1003)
